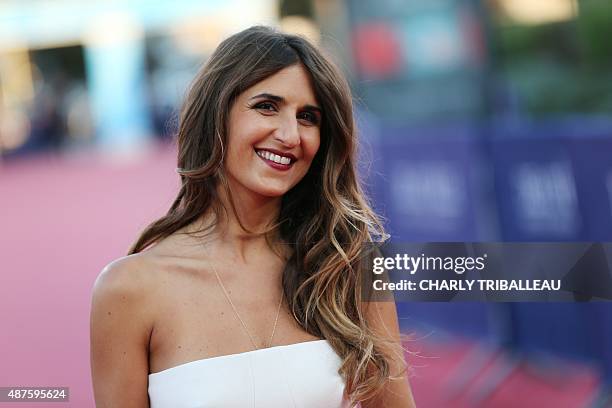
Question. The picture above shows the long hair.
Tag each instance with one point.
(325, 219)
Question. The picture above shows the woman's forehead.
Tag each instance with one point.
(293, 84)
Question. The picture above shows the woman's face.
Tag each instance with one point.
(274, 134)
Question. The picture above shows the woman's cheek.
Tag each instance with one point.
(313, 145)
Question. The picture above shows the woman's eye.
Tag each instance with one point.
(265, 106)
(309, 117)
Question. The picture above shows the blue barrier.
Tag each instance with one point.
(549, 181)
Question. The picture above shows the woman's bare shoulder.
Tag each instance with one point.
(147, 274)
(132, 275)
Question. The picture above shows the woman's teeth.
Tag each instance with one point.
(273, 157)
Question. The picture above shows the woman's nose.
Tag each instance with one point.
(288, 133)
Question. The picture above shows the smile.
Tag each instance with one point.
(277, 161)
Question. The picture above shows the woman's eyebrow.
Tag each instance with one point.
(312, 108)
(280, 99)
(275, 98)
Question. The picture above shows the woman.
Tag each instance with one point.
(246, 294)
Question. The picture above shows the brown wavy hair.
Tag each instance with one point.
(325, 219)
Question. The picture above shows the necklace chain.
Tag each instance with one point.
(244, 326)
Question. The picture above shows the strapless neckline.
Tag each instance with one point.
(237, 355)
(299, 375)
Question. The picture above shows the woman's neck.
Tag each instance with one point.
(246, 217)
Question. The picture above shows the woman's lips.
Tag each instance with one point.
(282, 161)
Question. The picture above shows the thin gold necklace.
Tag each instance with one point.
(244, 326)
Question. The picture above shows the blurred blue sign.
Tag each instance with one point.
(432, 186)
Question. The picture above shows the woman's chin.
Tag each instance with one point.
(273, 192)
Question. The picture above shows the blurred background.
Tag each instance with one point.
(479, 120)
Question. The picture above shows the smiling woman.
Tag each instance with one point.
(247, 293)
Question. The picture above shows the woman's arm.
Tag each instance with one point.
(120, 327)
(382, 317)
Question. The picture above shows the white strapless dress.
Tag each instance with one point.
(303, 375)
